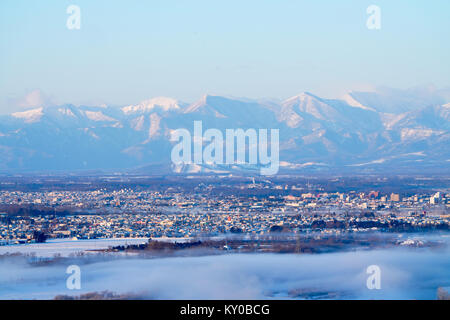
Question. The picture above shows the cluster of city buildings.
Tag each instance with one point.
(174, 200)
(129, 214)
(209, 209)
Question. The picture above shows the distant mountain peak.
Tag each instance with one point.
(302, 96)
(206, 101)
(30, 116)
(351, 101)
(309, 103)
(162, 103)
(98, 116)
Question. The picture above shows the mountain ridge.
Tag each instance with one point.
(336, 133)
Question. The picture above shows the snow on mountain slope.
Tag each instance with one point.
(98, 116)
(352, 102)
(223, 111)
(313, 130)
(155, 126)
(66, 112)
(138, 123)
(161, 103)
(308, 103)
(418, 133)
(432, 117)
(388, 100)
(309, 111)
(29, 116)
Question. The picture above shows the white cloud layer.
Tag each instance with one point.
(405, 274)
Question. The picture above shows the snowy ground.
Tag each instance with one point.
(66, 247)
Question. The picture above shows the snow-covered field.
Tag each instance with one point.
(67, 247)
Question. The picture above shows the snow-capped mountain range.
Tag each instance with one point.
(383, 130)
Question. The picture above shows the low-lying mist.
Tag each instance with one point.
(406, 273)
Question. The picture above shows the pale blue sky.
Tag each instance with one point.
(127, 51)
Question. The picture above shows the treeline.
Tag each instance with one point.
(104, 295)
(30, 210)
(153, 245)
(273, 244)
(392, 226)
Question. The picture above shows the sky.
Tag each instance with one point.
(128, 51)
